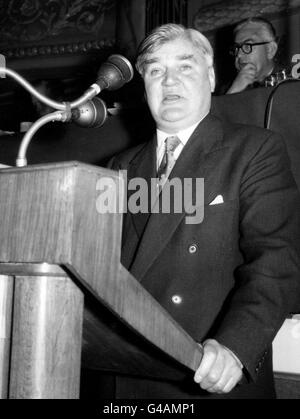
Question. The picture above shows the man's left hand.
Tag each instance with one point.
(220, 370)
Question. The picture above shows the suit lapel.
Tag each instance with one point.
(198, 159)
(143, 166)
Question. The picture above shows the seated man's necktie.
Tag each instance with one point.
(168, 161)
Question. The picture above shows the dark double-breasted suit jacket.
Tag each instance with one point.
(233, 277)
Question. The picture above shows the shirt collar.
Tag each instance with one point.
(183, 135)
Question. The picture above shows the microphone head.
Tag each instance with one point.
(114, 73)
(91, 114)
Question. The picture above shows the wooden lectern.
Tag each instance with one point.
(65, 299)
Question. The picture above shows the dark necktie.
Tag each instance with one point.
(168, 160)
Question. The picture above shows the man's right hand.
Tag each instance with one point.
(245, 77)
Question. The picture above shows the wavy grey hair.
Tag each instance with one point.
(266, 27)
(170, 32)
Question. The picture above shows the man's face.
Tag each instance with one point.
(178, 85)
(260, 57)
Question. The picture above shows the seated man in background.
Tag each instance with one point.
(255, 48)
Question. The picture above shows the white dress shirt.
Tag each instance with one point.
(183, 135)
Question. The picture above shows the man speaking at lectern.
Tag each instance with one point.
(231, 279)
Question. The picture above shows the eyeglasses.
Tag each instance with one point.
(246, 47)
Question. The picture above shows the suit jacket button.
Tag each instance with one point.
(193, 248)
(176, 299)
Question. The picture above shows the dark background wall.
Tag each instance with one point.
(65, 42)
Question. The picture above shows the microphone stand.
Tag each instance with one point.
(21, 160)
(92, 91)
(112, 75)
(62, 114)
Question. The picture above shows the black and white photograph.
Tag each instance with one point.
(149, 202)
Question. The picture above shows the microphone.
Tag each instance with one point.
(114, 73)
(87, 111)
(91, 114)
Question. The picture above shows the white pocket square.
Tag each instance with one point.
(218, 200)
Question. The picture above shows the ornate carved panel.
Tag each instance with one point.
(230, 12)
(45, 27)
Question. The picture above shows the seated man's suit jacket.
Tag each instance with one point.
(242, 277)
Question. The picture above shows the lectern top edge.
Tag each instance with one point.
(56, 165)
